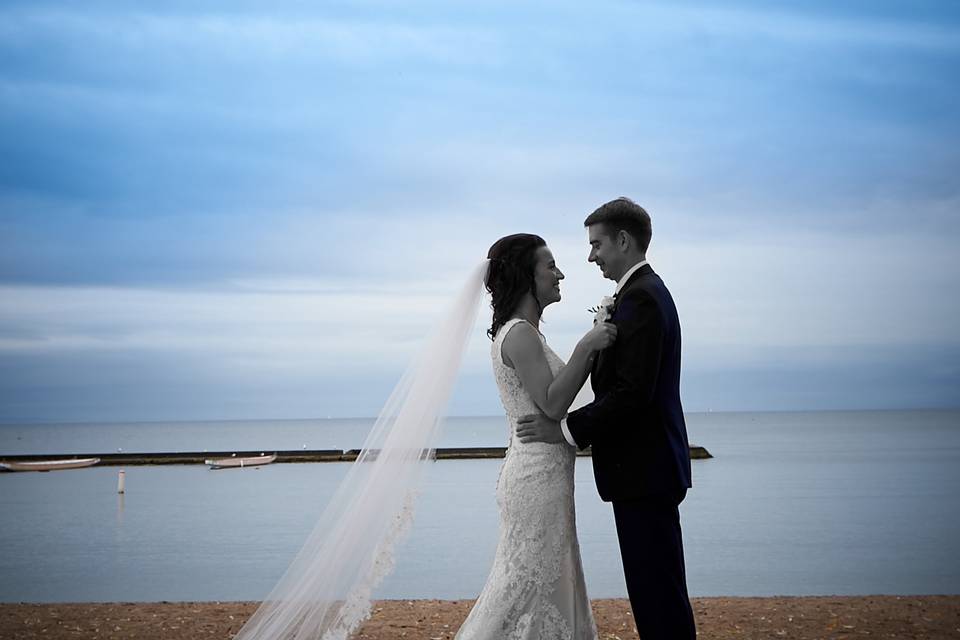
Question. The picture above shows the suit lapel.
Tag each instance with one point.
(634, 278)
(603, 357)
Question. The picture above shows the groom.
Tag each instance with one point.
(641, 457)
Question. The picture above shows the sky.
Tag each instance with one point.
(240, 210)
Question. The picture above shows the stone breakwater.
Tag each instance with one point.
(305, 455)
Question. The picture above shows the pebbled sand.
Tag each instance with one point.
(913, 617)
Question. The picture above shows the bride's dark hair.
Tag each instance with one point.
(510, 275)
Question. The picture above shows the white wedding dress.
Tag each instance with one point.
(536, 589)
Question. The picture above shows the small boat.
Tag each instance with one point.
(231, 463)
(49, 465)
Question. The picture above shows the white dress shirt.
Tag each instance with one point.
(620, 284)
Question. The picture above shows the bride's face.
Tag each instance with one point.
(547, 277)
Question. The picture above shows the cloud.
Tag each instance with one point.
(237, 111)
(279, 200)
(811, 305)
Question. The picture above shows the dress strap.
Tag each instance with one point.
(501, 335)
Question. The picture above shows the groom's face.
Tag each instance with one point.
(604, 251)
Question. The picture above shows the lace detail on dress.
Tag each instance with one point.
(536, 587)
(359, 603)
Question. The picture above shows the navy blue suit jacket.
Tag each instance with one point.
(635, 423)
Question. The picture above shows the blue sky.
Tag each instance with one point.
(245, 210)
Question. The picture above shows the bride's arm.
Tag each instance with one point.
(523, 350)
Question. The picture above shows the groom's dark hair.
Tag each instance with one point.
(623, 214)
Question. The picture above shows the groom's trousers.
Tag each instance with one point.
(651, 545)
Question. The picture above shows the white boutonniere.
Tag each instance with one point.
(602, 312)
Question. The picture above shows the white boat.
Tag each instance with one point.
(49, 465)
(250, 461)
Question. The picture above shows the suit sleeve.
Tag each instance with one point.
(636, 353)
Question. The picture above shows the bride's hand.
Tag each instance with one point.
(601, 336)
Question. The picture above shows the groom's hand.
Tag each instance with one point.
(537, 427)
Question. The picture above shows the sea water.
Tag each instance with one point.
(792, 503)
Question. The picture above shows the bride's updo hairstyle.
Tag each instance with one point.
(510, 275)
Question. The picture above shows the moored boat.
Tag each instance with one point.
(235, 463)
(49, 465)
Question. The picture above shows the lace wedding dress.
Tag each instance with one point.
(536, 589)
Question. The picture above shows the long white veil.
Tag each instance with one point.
(325, 593)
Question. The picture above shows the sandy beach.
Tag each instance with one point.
(919, 617)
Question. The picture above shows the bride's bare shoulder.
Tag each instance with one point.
(521, 341)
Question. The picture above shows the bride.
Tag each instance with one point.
(536, 587)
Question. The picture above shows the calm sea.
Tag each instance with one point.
(792, 503)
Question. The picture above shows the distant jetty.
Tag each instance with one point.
(305, 455)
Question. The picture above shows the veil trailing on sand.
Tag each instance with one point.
(325, 592)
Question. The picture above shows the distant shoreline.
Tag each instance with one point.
(114, 421)
(718, 618)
